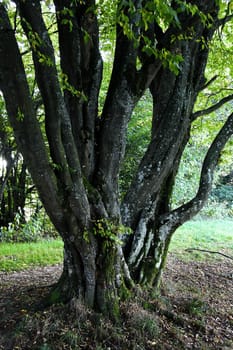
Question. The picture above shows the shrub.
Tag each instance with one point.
(215, 209)
(223, 193)
(36, 228)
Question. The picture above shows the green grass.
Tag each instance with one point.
(214, 235)
(20, 256)
(209, 234)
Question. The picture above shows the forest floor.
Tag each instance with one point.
(194, 310)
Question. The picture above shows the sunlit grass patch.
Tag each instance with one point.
(19, 256)
(213, 235)
(210, 234)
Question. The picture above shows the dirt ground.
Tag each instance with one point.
(193, 311)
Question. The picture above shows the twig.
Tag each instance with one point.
(209, 251)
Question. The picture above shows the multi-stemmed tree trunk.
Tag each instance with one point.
(75, 163)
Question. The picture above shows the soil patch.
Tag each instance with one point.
(193, 311)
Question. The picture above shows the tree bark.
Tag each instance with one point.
(75, 164)
(149, 194)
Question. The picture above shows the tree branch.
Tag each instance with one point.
(208, 83)
(185, 212)
(46, 75)
(81, 65)
(57, 120)
(23, 119)
(121, 99)
(213, 108)
(223, 21)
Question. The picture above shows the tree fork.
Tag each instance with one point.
(83, 203)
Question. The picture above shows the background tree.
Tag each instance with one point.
(6, 149)
(15, 182)
(160, 46)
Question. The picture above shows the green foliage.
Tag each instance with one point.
(187, 179)
(195, 307)
(138, 138)
(36, 228)
(67, 86)
(37, 44)
(220, 66)
(106, 13)
(20, 115)
(109, 231)
(34, 38)
(161, 11)
(224, 193)
(86, 236)
(68, 13)
(216, 209)
(136, 21)
(168, 59)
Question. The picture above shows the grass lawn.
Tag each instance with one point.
(213, 235)
(20, 256)
(209, 234)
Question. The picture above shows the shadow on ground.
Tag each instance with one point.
(193, 311)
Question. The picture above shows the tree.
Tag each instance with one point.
(160, 46)
(15, 185)
(6, 149)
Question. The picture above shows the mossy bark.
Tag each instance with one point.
(151, 267)
(100, 285)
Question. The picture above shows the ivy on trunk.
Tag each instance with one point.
(74, 156)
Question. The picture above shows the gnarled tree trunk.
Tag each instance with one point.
(75, 164)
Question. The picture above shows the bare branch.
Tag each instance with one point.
(208, 83)
(223, 21)
(209, 251)
(212, 108)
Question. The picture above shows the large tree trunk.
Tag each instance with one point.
(148, 197)
(75, 163)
